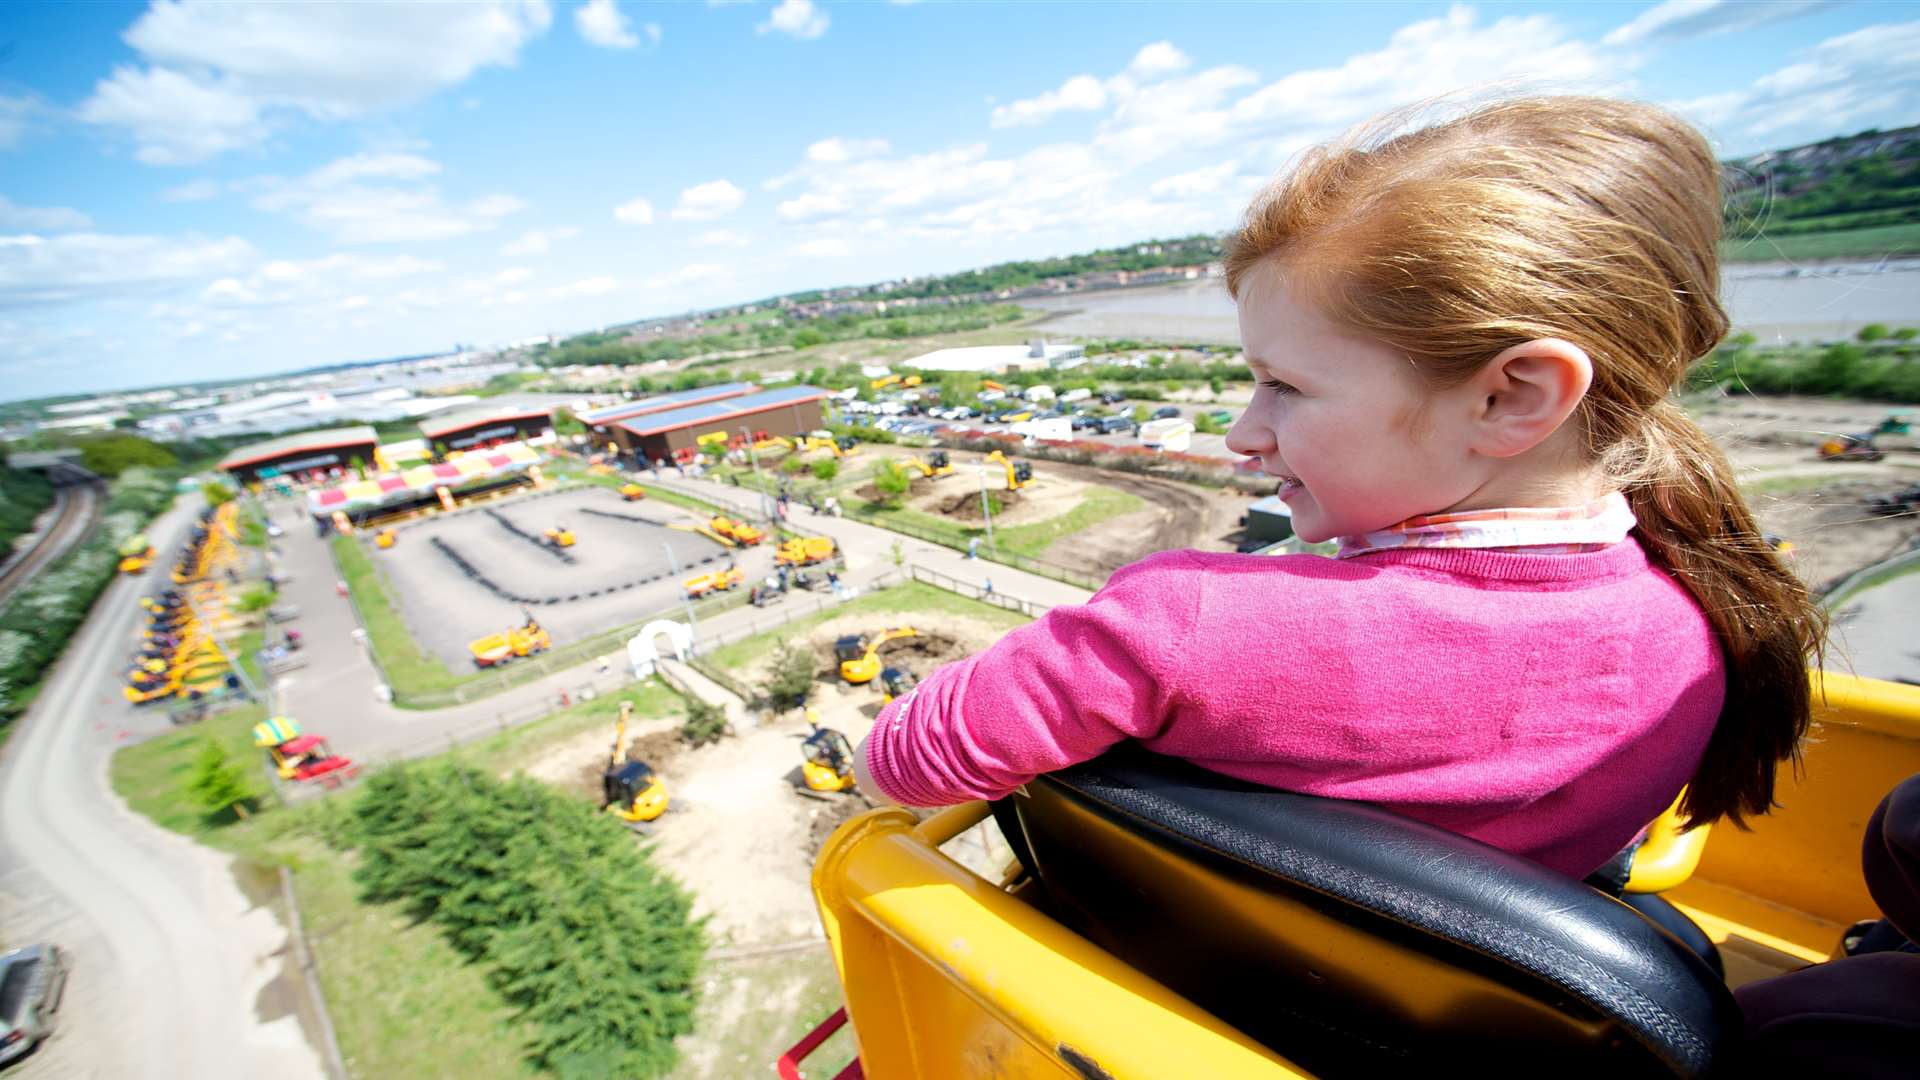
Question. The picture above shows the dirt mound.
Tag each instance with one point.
(824, 817)
(919, 654)
(966, 505)
(657, 748)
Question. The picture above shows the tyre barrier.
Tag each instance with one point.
(473, 574)
(537, 541)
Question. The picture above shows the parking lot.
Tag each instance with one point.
(1116, 429)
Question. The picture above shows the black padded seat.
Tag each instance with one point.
(1356, 941)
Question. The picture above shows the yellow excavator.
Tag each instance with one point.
(937, 465)
(632, 791)
(839, 447)
(737, 531)
(632, 492)
(713, 581)
(803, 550)
(1158, 920)
(559, 536)
(826, 758)
(860, 657)
(496, 649)
(1019, 473)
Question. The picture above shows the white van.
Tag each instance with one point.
(1080, 394)
(1041, 392)
(1172, 433)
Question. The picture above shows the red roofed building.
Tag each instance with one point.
(488, 425)
(309, 455)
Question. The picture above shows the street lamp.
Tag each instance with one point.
(759, 482)
(986, 508)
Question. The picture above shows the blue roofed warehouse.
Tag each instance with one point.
(676, 434)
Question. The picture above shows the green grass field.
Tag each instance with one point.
(1847, 244)
(409, 668)
(912, 598)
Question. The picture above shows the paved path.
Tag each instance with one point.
(176, 972)
(1876, 634)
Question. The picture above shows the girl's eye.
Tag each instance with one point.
(1277, 386)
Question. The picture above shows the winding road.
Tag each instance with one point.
(176, 970)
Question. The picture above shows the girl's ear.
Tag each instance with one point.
(1526, 393)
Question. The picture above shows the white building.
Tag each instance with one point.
(984, 359)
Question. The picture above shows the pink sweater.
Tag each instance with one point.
(1550, 705)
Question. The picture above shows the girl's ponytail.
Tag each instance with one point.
(1597, 221)
(1695, 524)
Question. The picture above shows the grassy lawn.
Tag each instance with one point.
(758, 1006)
(912, 598)
(616, 481)
(404, 1002)
(651, 699)
(1849, 243)
(1099, 505)
(405, 662)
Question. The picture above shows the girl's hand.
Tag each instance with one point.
(864, 779)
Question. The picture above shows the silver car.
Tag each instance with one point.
(31, 981)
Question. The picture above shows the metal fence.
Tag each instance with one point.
(939, 580)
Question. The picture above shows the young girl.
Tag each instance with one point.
(1550, 608)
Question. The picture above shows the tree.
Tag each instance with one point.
(808, 338)
(705, 723)
(111, 455)
(890, 479)
(1906, 333)
(1872, 332)
(216, 493)
(257, 598)
(789, 676)
(218, 783)
(825, 469)
(793, 464)
(1141, 414)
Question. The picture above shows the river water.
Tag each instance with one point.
(1775, 302)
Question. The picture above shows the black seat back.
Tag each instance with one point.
(1351, 939)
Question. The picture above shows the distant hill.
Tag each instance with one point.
(1850, 182)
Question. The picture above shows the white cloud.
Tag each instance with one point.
(351, 303)
(217, 72)
(538, 241)
(191, 191)
(600, 23)
(1157, 59)
(812, 206)
(1677, 19)
(496, 205)
(1423, 60)
(635, 212)
(38, 270)
(1081, 93)
(374, 198)
(686, 275)
(721, 238)
(176, 119)
(835, 150)
(796, 18)
(1204, 181)
(17, 113)
(599, 285)
(41, 219)
(513, 275)
(826, 247)
(1859, 78)
(703, 202)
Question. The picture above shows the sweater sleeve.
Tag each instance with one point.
(1049, 694)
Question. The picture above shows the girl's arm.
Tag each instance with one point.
(1055, 692)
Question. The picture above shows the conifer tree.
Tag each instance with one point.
(218, 782)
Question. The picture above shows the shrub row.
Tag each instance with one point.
(1839, 370)
(37, 623)
(597, 948)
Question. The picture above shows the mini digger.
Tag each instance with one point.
(630, 789)
(938, 464)
(1019, 473)
(632, 492)
(860, 657)
(559, 536)
(826, 761)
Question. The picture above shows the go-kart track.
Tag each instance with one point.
(460, 576)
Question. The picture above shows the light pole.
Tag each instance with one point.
(759, 483)
(693, 628)
(986, 508)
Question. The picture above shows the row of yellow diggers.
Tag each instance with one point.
(178, 655)
(212, 548)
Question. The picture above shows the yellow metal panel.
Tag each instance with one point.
(949, 977)
(1806, 854)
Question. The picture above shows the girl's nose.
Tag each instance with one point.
(1248, 437)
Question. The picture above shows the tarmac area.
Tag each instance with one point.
(618, 571)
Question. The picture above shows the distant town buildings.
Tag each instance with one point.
(992, 359)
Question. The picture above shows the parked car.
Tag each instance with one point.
(990, 395)
(1112, 397)
(1077, 394)
(1220, 416)
(1166, 412)
(1083, 422)
(1111, 424)
(31, 982)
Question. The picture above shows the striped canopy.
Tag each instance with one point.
(421, 479)
(275, 731)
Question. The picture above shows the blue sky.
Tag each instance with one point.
(193, 190)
